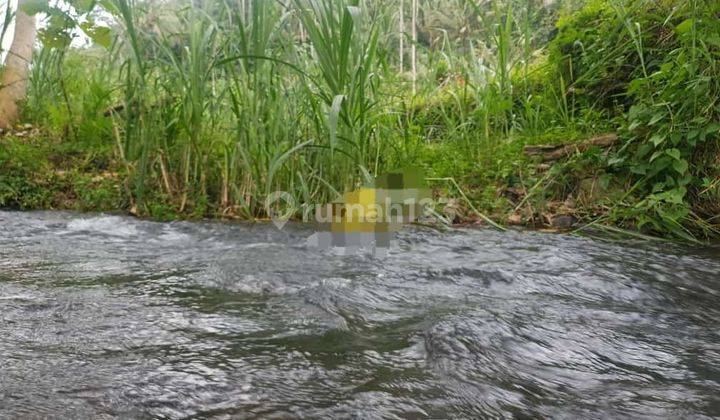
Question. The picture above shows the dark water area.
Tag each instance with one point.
(106, 316)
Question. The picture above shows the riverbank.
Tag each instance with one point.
(172, 133)
(39, 173)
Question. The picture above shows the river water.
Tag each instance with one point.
(104, 316)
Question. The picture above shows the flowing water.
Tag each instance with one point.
(105, 316)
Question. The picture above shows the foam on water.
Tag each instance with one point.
(105, 225)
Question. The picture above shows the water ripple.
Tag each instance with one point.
(105, 316)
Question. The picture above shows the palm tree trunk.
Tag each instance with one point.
(14, 75)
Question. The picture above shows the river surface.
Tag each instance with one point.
(106, 316)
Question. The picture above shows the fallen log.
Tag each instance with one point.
(114, 110)
(553, 153)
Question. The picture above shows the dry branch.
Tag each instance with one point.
(553, 153)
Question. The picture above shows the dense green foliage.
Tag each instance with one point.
(652, 67)
(203, 110)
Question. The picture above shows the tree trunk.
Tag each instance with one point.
(14, 75)
(413, 49)
(402, 36)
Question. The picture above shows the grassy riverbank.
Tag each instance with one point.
(192, 113)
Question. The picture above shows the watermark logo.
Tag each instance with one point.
(280, 206)
(366, 218)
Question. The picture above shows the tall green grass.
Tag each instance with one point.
(229, 105)
(211, 106)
